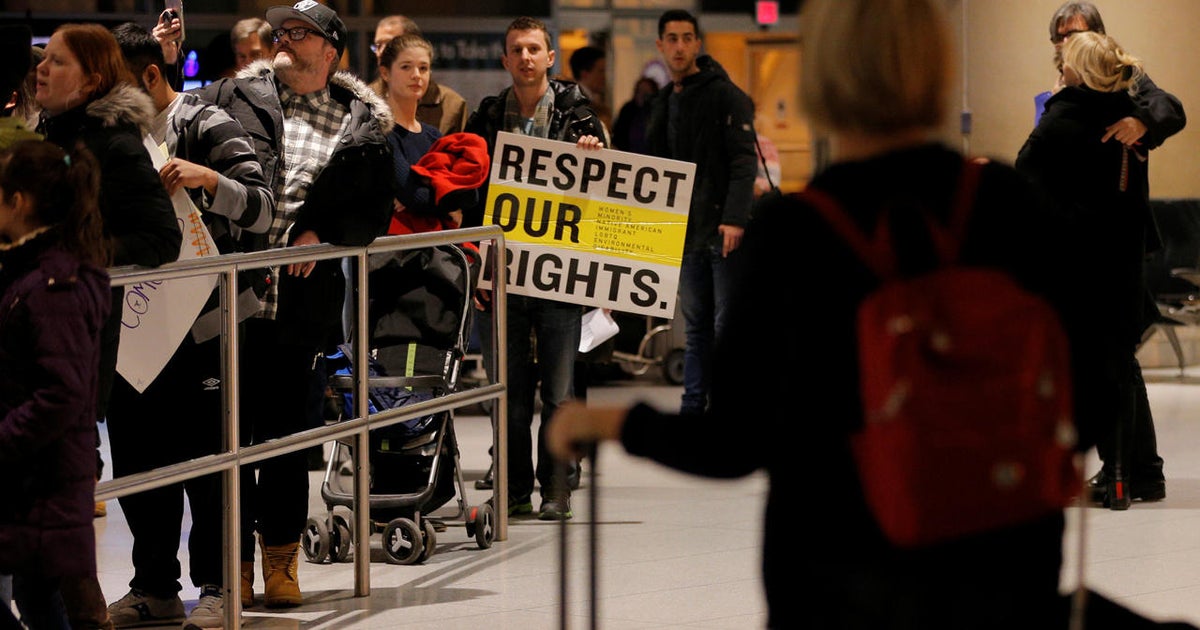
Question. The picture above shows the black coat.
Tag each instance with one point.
(825, 563)
(1109, 226)
(137, 213)
(348, 203)
(716, 133)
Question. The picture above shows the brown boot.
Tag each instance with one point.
(85, 603)
(281, 583)
(247, 584)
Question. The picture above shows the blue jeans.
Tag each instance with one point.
(705, 284)
(543, 339)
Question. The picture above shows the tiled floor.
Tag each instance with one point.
(680, 552)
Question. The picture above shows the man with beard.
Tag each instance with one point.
(332, 171)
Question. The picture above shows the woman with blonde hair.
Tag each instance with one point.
(876, 76)
(1103, 188)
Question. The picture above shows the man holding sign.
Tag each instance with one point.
(537, 106)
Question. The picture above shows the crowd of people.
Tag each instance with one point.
(102, 157)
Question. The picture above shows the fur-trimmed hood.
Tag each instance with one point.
(123, 104)
(343, 79)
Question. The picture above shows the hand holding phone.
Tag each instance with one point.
(172, 19)
(169, 30)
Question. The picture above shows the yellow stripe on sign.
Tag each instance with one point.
(590, 225)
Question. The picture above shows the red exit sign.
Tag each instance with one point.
(766, 12)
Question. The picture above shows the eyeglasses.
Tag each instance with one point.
(296, 34)
(378, 46)
(1061, 37)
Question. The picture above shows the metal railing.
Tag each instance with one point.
(233, 455)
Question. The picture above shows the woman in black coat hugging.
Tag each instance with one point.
(1102, 190)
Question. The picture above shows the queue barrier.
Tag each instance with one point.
(233, 456)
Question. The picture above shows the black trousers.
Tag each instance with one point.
(276, 375)
(1139, 443)
(177, 418)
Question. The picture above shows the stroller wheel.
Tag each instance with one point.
(402, 541)
(315, 540)
(341, 539)
(483, 523)
(672, 367)
(428, 539)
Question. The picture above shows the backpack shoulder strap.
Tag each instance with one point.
(874, 251)
(948, 239)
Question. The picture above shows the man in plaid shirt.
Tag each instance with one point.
(327, 155)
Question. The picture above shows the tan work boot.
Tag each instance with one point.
(247, 584)
(281, 583)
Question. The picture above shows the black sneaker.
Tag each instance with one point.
(486, 483)
(556, 508)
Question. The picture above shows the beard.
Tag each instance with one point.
(289, 67)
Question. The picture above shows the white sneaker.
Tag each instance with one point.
(141, 609)
(208, 613)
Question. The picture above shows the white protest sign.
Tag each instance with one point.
(599, 228)
(156, 315)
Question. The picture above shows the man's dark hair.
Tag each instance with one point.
(677, 15)
(583, 59)
(139, 48)
(526, 23)
(1091, 17)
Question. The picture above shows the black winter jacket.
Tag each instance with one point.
(715, 131)
(571, 118)
(349, 202)
(851, 577)
(1110, 227)
(137, 212)
(138, 215)
(1160, 111)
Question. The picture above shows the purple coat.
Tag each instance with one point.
(51, 311)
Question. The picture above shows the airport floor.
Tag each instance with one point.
(677, 552)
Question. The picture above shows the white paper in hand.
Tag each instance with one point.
(598, 327)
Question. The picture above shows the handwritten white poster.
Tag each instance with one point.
(156, 315)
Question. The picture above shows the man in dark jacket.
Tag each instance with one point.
(705, 119)
(322, 138)
(535, 105)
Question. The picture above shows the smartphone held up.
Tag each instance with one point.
(173, 11)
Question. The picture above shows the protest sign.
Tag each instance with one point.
(155, 315)
(599, 228)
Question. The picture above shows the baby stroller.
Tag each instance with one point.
(419, 316)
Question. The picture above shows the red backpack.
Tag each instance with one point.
(966, 389)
